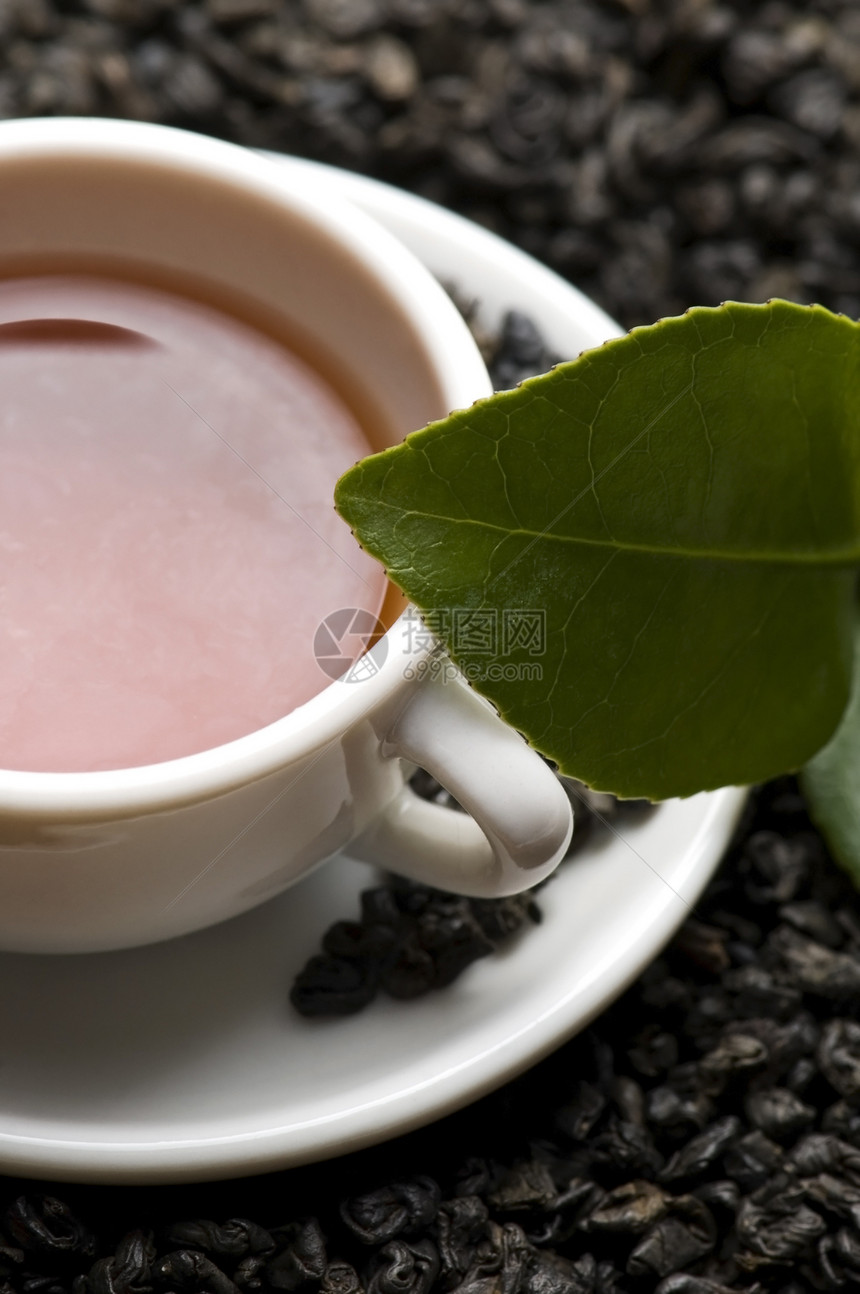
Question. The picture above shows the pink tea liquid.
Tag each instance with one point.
(168, 544)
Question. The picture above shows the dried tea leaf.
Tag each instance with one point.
(681, 507)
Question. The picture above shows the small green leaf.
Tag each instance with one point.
(683, 504)
(831, 782)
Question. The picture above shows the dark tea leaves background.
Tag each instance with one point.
(703, 1135)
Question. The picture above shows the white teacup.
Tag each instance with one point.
(96, 861)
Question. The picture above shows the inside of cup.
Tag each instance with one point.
(208, 220)
(253, 247)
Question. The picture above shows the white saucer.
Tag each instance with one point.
(184, 1061)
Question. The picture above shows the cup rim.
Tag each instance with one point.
(457, 367)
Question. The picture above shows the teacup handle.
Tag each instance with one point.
(521, 819)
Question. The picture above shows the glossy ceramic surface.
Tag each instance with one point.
(104, 860)
(184, 1061)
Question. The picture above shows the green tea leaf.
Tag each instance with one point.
(831, 781)
(683, 507)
